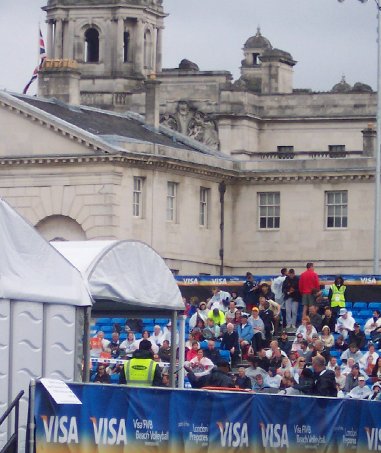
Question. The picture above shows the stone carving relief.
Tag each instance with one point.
(192, 123)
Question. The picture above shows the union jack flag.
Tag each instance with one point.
(37, 68)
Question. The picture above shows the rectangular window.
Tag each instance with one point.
(336, 148)
(171, 201)
(137, 200)
(204, 206)
(285, 149)
(336, 204)
(269, 210)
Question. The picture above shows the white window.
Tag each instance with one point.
(204, 206)
(269, 210)
(137, 200)
(336, 207)
(171, 201)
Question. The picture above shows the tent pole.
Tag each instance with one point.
(86, 346)
(181, 372)
(173, 349)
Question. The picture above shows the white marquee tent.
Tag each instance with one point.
(43, 300)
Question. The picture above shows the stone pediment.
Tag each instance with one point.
(28, 132)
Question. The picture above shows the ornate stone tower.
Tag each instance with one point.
(116, 44)
(265, 69)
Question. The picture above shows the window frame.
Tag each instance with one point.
(268, 208)
(204, 203)
(172, 199)
(87, 46)
(339, 210)
(138, 197)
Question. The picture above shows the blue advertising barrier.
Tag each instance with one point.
(116, 419)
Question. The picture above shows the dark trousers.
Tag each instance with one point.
(257, 341)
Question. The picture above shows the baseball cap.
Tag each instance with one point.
(343, 311)
(356, 324)
(361, 378)
(356, 365)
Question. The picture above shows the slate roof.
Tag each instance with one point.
(111, 126)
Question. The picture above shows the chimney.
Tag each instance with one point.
(369, 136)
(152, 101)
(60, 79)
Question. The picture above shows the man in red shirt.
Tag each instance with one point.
(308, 280)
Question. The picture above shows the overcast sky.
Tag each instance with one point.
(327, 38)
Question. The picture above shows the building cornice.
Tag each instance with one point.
(156, 162)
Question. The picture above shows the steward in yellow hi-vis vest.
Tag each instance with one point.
(141, 370)
(337, 294)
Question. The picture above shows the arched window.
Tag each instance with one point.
(91, 46)
(148, 50)
(126, 44)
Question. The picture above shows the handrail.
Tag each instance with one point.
(13, 440)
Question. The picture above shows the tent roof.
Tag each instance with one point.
(127, 273)
(31, 269)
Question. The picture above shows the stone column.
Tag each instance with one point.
(119, 42)
(159, 49)
(106, 43)
(58, 39)
(70, 40)
(139, 47)
(154, 50)
(50, 50)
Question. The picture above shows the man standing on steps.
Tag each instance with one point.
(277, 289)
(308, 281)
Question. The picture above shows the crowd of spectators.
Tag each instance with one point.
(288, 337)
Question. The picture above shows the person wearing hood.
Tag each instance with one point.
(141, 370)
(201, 313)
(376, 392)
(336, 295)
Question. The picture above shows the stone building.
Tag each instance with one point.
(215, 174)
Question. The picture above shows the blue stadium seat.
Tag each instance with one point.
(375, 305)
(107, 329)
(120, 321)
(348, 305)
(360, 305)
(114, 378)
(104, 321)
(148, 321)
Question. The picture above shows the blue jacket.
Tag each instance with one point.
(245, 332)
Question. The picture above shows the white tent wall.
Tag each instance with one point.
(36, 340)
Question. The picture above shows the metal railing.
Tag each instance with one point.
(12, 445)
